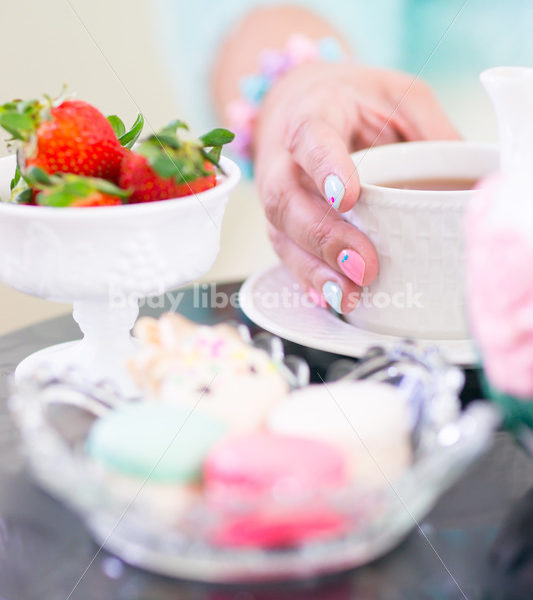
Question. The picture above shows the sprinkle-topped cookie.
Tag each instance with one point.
(181, 362)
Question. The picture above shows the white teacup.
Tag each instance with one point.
(418, 235)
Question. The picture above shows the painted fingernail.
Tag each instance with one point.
(333, 295)
(352, 265)
(333, 191)
(316, 298)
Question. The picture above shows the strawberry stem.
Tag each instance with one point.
(127, 138)
(184, 158)
(117, 124)
(62, 189)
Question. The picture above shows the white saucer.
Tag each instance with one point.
(261, 301)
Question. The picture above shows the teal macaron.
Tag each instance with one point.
(165, 443)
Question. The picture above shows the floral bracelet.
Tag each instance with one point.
(242, 112)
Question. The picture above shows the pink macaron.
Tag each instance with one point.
(271, 490)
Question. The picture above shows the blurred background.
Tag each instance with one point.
(153, 56)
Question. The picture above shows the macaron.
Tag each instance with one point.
(368, 420)
(280, 529)
(241, 401)
(164, 503)
(163, 443)
(271, 489)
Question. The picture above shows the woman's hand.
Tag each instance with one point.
(310, 121)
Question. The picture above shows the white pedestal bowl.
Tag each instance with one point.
(103, 260)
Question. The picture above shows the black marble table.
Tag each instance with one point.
(46, 553)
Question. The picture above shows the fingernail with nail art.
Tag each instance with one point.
(333, 191)
(333, 295)
(352, 265)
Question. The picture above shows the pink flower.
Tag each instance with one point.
(500, 297)
(241, 113)
(273, 62)
(301, 49)
(241, 144)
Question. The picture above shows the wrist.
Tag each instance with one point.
(242, 112)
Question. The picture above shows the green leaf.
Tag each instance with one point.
(213, 156)
(168, 139)
(175, 125)
(164, 165)
(169, 133)
(58, 198)
(106, 187)
(149, 148)
(217, 137)
(128, 138)
(31, 107)
(118, 126)
(21, 193)
(16, 135)
(159, 158)
(15, 180)
(79, 188)
(63, 189)
(18, 125)
(25, 196)
(35, 175)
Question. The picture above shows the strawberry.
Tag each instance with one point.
(96, 199)
(66, 136)
(63, 190)
(148, 186)
(169, 164)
